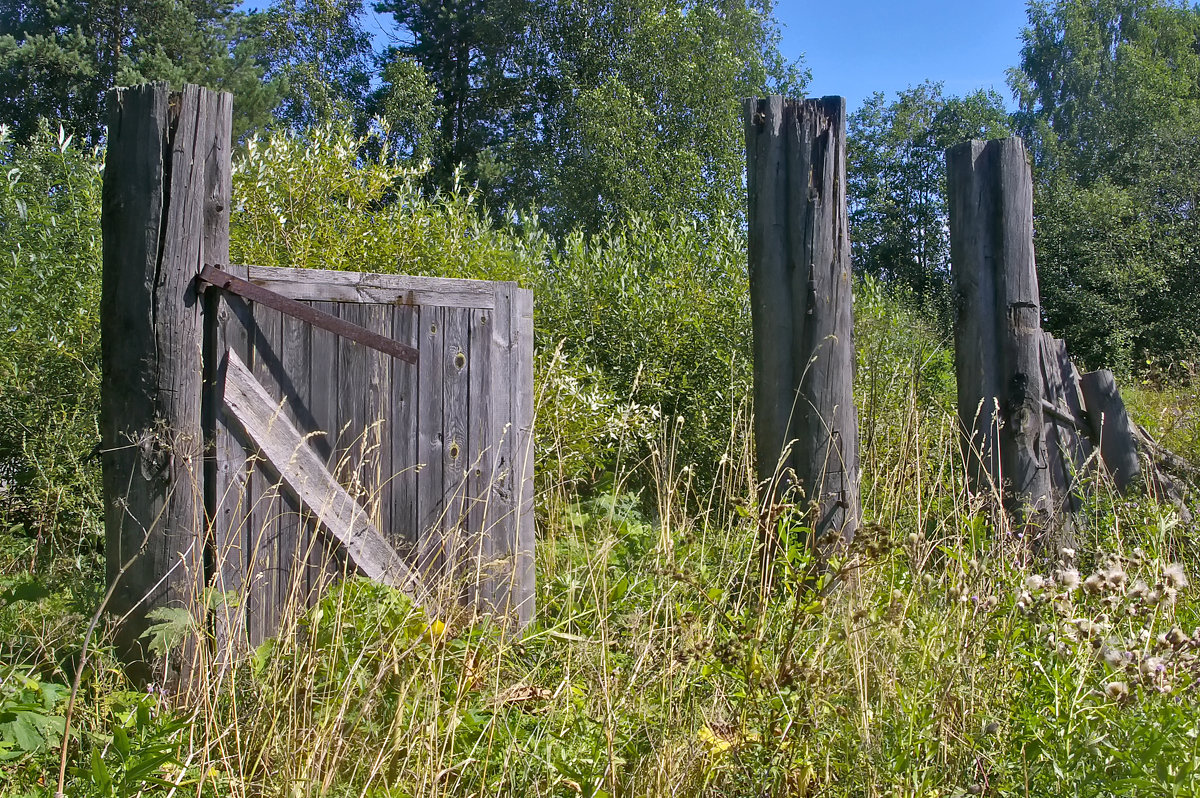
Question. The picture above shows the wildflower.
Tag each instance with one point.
(1114, 577)
(1116, 691)
(1067, 553)
(1069, 579)
(1176, 638)
(1139, 590)
(1151, 666)
(1174, 576)
(1034, 583)
(1112, 657)
(1093, 584)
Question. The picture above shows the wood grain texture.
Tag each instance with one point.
(324, 562)
(430, 443)
(263, 521)
(165, 208)
(284, 448)
(522, 598)
(227, 482)
(402, 529)
(500, 548)
(998, 332)
(806, 427)
(1112, 430)
(362, 287)
(456, 409)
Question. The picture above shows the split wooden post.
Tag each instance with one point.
(806, 426)
(998, 333)
(165, 212)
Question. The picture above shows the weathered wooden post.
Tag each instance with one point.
(806, 426)
(165, 213)
(998, 334)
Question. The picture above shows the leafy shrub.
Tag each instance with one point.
(49, 341)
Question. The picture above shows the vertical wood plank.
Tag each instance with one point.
(478, 464)
(430, 446)
(502, 522)
(377, 432)
(522, 408)
(267, 575)
(402, 529)
(296, 380)
(456, 398)
(227, 480)
(323, 557)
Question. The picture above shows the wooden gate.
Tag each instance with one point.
(265, 429)
(435, 453)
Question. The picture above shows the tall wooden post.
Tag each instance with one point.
(998, 334)
(165, 213)
(806, 426)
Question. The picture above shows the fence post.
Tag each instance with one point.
(806, 425)
(998, 334)
(165, 213)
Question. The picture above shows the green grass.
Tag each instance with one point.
(660, 665)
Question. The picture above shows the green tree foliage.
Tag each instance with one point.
(57, 59)
(1109, 95)
(320, 57)
(896, 175)
(585, 110)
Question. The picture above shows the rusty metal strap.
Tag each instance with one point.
(307, 313)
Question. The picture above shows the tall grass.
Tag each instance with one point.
(659, 665)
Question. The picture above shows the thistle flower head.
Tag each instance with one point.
(1116, 691)
(1068, 578)
(1175, 577)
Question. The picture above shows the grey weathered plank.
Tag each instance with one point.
(456, 409)
(378, 391)
(263, 528)
(800, 291)
(283, 446)
(500, 548)
(324, 563)
(295, 389)
(430, 443)
(362, 287)
(165, 208)
(402, 530)
(478, 461)
(522, 412)
(227, 488)
(352, 469)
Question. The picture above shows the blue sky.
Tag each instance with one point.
(856, 47)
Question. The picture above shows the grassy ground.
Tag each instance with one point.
(660, 665)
